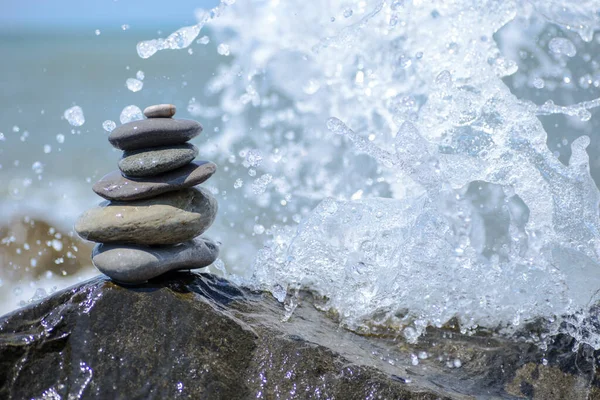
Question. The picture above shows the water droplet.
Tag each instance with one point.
(562, 46)
(134, 85)
(37, 167)
(538, 83)
(75, 116)
(254, 158)
(109, 125)
(131, 113)
(223, 49)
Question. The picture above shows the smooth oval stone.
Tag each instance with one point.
(115, 186)
(154, 132)
(160, 111)
(137, 264)
(166, 219)
(156, 160)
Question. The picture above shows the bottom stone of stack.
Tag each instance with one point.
(133, 264)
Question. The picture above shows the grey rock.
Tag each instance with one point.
(154, 132)
(137, 264)
(115, 186)
(160, 111)
(196, 336)
(166, 219)
(156, 160)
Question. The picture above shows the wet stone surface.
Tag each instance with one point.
(196, 336)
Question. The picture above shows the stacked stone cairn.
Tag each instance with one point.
(154, 214)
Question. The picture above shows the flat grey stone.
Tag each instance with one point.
(166, 219)
(137, 264)
(154, 132)
(160, 111)
(156, 160)
(115, 186)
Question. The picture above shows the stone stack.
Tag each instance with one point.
(154, 214)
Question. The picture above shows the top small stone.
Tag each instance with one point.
(160, 111)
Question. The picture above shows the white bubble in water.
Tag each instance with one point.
(47, 148)
(109, 125)
(97, 32)
(37, 167)
(562, 46)
(125, 27)
(259, 229)
(60, 138)
(348, 13)
(260, 185)
(134, 85)
(203, 40)
(238, 183)
(140, 75)
(538, 83)
(223, 49)
(131, 113)
(254, 158)
(75, 116)
(2, 138)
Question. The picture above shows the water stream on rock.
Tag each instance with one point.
(410, 161)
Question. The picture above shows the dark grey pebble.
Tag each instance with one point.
(156, 160)
(154, 132)
(115, 186)
(137, 264)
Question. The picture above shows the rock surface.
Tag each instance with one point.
(154, 132)
(199, 337)
(114, 186)
(160, 111)
(156, 160)
(137, 264)
(169, 218)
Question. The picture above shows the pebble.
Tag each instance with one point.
(156, 160)
(115, 186)
(154, 132)
(160, 111)
(169, 218)
(136, 264)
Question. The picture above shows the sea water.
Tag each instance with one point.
(409, 161)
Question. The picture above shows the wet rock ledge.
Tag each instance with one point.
(196, 336)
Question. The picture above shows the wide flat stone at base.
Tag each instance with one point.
(156, 160)
(170, 218)
(115, 186)
(160, 111)
(137, 264)
(154, 132)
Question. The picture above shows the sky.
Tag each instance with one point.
(67, 14)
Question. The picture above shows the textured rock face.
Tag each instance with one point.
(170, 218)
(197, 337)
